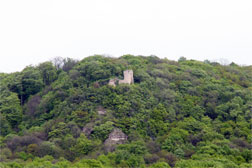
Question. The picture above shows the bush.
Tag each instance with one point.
(160, 165)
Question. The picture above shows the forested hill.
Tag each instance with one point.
(176, 114)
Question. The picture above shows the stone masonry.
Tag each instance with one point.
(128, 79)
(112, 82)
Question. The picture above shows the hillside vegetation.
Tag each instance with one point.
(176, 114)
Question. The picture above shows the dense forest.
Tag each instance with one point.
(186, 113)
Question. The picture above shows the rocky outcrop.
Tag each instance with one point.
(115, 137)
(88, 129)
(101, 110)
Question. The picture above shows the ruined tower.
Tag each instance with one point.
(128, 77)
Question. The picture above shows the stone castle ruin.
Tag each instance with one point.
(112, 82)
(128, 79)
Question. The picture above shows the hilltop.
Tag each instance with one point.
(186, 113)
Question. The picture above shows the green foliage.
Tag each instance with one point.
(136, 148)
(176, 139)
(102, 131)
(209, 162)
(10, 110)
(160, 165)
(83, 146)
(5, 127)
(49, 148)
(176, 114)
(26, 83)
(48, 72)
(24, 156)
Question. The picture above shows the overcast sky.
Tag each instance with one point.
(33, 31)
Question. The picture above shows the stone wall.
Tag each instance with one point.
(112, 82)
(128, 79)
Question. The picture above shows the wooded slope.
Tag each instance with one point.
(178, 114)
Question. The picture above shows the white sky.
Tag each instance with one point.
(33, 31)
